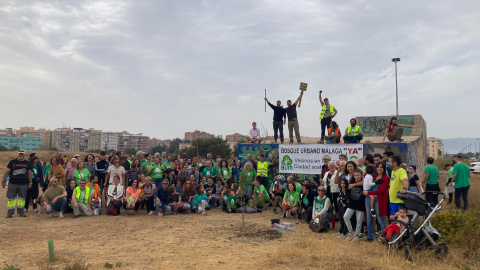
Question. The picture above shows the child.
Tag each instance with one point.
(356, 205)
(200, 200)
(235, 187)
(230, 202)
(219, 192)
(96, 195)
(173, 200)
(342, 202)
(370, 185)
(148, 194)
(396, 228)
(179, 187)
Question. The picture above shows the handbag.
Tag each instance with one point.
(112, 209)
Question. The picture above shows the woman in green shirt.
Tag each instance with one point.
(81, 173)
(291, 200)
(226, 173)
(247, 176)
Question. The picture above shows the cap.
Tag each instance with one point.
(218, 156)
(77, 155)
(22, 151)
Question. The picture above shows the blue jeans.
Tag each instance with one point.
(249, 190)
(413, 189)
(370, 220)
(58, 206)
(352, 139)
(189, 206)
(212, 201)
(157, 182)
(164, 207)
(327, 220)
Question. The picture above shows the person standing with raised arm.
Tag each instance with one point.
(328, 112)
(279, 119)
(291, 111)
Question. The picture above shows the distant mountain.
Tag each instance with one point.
(455, 145)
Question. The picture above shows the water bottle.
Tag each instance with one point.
(280, 228)
(289, 225)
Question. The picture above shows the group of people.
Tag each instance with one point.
(348, 191)
(330, 130)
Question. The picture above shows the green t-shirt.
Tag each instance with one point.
(146, 166)
(157, 172)
(225, 172)
(249, 176)
(79, 175)
(230, 201)
(353, 129)
(259, 189)
(396, 184)
(292, 197)
(209, 172)
(450, 173)
(463, 175)
(298, 187)
(320, 205)
(167, 165)
(433, 174)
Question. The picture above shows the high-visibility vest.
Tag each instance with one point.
(262, 168)
(356, 128)
(95, 191)
(336, 131)
(78, 191)
(324, 108)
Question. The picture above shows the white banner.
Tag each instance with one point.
(307, 158)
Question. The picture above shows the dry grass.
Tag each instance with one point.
(199, 242)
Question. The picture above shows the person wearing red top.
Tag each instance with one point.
(383, 181)
(395, 135)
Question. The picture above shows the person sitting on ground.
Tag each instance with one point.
(81, 200)
(200, 201)
(307, 201)
(174, 201)
(132, 196)
(291, 200)
(334, 134)
(210, 190)
(161, 195)
(218, 192)
(96, 195)
(322, 210)
(148, 194)
(260, 195)
(254, 134)
(179, 187)
(55, 198)
(115, 195)
(395, 135)
(188, 193)
(229, 201)
(277, 192)
(396, 228)
(353, 133)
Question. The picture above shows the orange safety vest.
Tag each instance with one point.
(336, 132)
(95, 191)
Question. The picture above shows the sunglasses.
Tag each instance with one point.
(321, 190)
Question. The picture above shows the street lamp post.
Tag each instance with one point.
(395, 60)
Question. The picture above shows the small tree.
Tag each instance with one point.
(130, 151)
(14, 148)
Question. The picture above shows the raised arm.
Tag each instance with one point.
(320, 97)
(406, 126)
(299, 97)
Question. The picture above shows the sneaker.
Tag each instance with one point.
(369, 240)
(259, 210)
(160, 214)
(22, 215)
(361, 235)
(175, 213)
(337, 234)
(60, 215)
(76, 216)
(373, 213)
(194, 210)
(275, 211)
(350, 236)
(382, 240)
(341, 236)
(25, 210)
(151, 213)
(126, 212)
(136, 212)
(355, 238)
(284, 216)
(50, 215)
(35, 210)
(8, 216)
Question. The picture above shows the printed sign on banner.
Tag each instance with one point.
(307, 158)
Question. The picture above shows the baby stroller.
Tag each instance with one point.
(425, 235)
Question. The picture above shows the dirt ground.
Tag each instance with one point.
(189, 241)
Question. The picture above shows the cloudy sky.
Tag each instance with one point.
(166, 67)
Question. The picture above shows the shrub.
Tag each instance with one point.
(463, 228)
